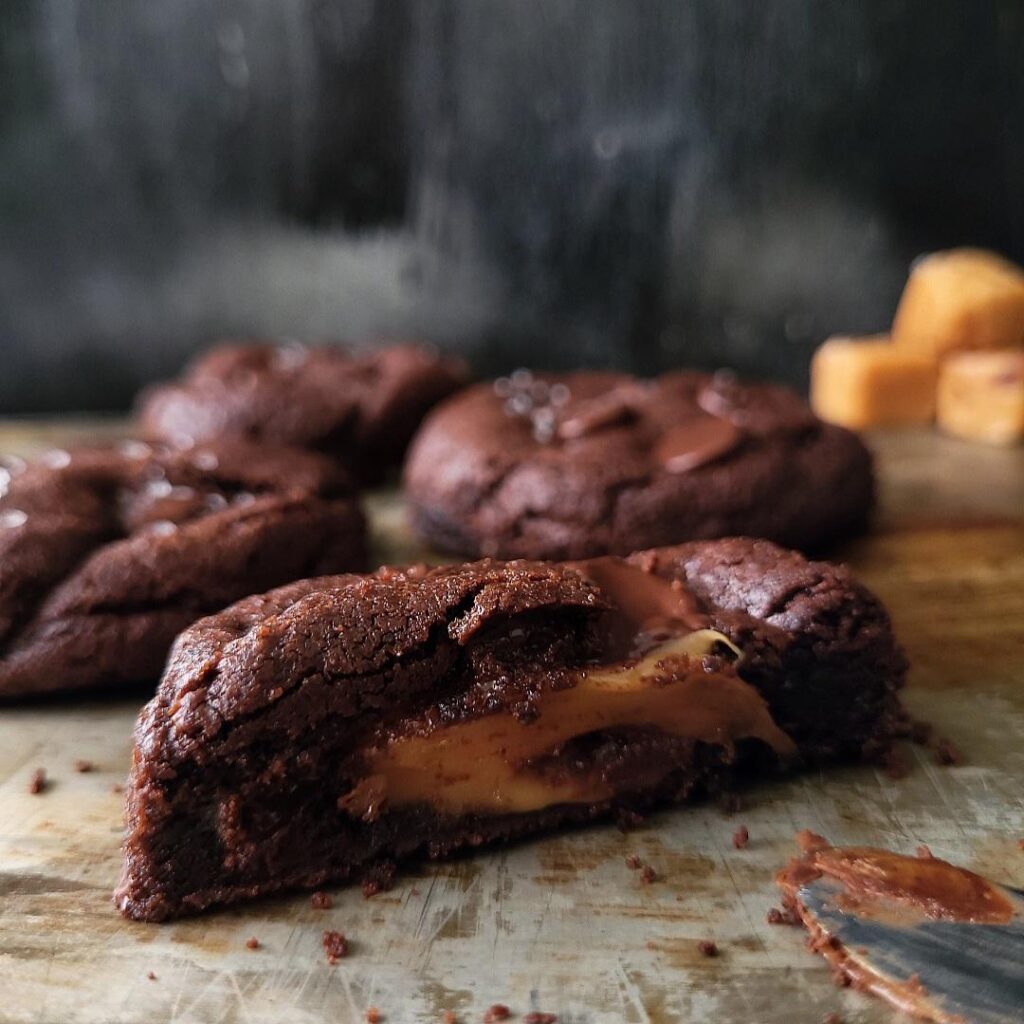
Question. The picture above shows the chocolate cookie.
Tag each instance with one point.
(107, 554)
(359, 408)
(591, 463)
(320, 731)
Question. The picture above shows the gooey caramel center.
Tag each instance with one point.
(484, 765)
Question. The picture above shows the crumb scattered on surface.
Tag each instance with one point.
(648, 874)
(84, 766)
(335, 946)
(947, 752)
(784, 916)
(252, 943)
(449, 1017)
(380, 878)
(497, 1011)
(537, 1017)
(741, 837)
(151, 976)
(633, 862)
(925, 853)
(117, 788)
(321, 901)
(707, 947)
(373, 1015)
(37, 782)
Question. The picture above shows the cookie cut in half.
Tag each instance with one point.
(326, 729)
(360, 408)
(593, 463)
(106, 554)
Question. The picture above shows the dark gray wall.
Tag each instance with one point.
(640, 183)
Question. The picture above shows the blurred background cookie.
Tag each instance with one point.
(542, 466)
(360, 408)
(106, 554)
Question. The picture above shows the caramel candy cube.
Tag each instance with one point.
(961, 299)
(868, 382)
(981, 396)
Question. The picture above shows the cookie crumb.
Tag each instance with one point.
(37, 782)
(252, 943)
(498, 1011)
(925, 853)
(537, 1017)
(648, 875)
(947, 753)
(373, 1015)
(633, 862)
(380, 878)
(151, 976)
(335, 946)
(321, 901)
(707, 947)
(117, 788)
(741, 837)
(84, 766)
(785, 916)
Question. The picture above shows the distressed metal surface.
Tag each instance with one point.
(560, 923)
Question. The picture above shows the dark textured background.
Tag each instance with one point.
(641, 183)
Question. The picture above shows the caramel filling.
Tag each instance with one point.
(484, 765)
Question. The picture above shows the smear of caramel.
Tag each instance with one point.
(878, 882)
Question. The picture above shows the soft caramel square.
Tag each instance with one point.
(868, 382)
(961, 299)
(981, 396)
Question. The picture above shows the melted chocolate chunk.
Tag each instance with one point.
(697, 442)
